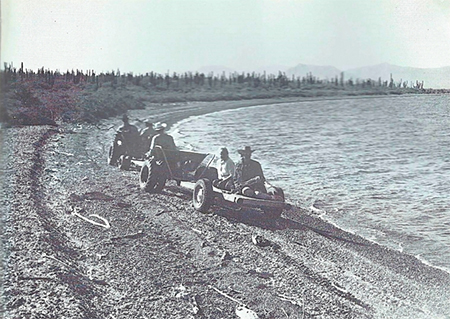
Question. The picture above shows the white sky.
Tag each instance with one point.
(181, 35)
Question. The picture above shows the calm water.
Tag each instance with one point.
(379, 167)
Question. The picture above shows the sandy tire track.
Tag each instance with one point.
(41, 273)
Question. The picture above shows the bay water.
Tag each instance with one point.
(378, 167)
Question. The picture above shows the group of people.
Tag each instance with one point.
(153, 134)
(247, 175)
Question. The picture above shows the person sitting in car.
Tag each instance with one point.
(225, 170)
(125, 142)
(226, 167)
(147, 134)
(130, 134)
(161, 138)
(249, 174)
(127, 128)
(166, 142)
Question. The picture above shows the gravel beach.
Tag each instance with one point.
(81, 240)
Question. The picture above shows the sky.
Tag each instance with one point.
(184, 35)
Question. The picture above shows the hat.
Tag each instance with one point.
(159, 126)
(246, 150)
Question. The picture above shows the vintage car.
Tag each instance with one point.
(194, 171)
(180, 166)
(127, 146)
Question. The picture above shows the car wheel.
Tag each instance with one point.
(152, 179)
(203, 195)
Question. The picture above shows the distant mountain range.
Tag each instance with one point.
(437, 78)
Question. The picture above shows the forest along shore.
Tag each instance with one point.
(80, 240)
(48, 97)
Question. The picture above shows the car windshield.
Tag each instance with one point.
(208, 160)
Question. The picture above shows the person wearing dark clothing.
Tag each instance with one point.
(161, 138)
(147, 135)
(127, 127)
(126, 142)
(166, 142)
(130, 134)
(249, 172)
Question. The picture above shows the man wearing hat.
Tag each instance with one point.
(248, 169)
(147, 135)
(161, 138)
(128, 128)
(130, 134)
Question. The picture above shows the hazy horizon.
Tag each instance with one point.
(185, 35)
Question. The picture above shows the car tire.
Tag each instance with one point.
(203, 195)
(151, 177)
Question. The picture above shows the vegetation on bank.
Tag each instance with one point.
(51, 97)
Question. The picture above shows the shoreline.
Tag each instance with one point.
(183, 112)
(88, 102)
(204, 108)
(159, 258)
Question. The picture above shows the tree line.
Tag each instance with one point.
(188, 80)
